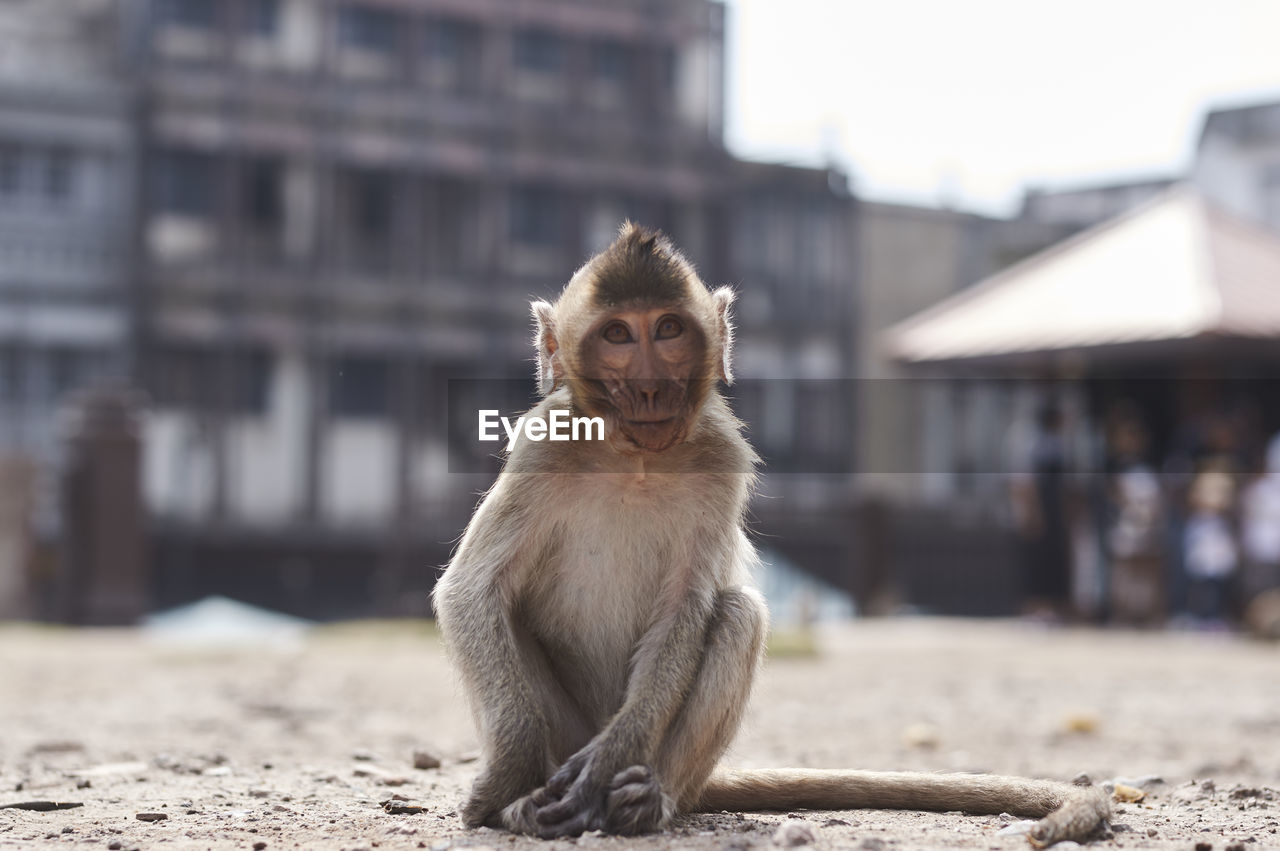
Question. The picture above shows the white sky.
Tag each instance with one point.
(966, 101)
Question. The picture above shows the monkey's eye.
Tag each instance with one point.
(668, 327)
(616, 332)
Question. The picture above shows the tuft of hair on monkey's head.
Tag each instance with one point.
(641, 269)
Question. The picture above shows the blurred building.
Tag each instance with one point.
(1078, 207)
(1238, 161)
(943, 422)
(67, 151)
(911, 258)
(342, 205)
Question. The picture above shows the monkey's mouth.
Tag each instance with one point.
(653, 435)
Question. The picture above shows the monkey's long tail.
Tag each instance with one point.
(1065, 811)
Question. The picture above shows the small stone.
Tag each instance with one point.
(151, 816)
(115, 845)
(921, 735)
(1144, 781)
(394, 780)
(83, 784)
(258, 846)
(1080, 723)
(112, 768)
(793, 833)
(363, 755)
(1127, 794)
(1082, 779)
(425, 760)
(1204, 846)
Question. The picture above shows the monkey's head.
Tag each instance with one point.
(638, 338)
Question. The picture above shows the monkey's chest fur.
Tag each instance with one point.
(615, 572)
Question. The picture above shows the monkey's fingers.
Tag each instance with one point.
(571, 816)
(576, 826)
(565, 776)
(634, 774)
(561, 810)
(541, 797)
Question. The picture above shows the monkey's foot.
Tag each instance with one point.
(488, 804)
(521, 815)
(636, 803)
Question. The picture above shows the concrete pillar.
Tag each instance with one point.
(17, 483)
(103, 575)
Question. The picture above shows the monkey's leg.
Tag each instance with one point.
(664, 669)
(560, 729)
(642, 800)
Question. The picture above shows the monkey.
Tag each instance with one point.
(599, 606)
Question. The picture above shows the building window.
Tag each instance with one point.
(189, 13)
(262, 18)
(366, 217)
(360, 387)
(10, 170)
(452, 217)
(264, 191)
(450, 55)
(10, 374)
(372, 205)
(367, 28)
(209, 379)
(537, 217)
(59, 175)
(540, 51)
(1271, 195)
(610, 63)
(444, 39)
(184, 183)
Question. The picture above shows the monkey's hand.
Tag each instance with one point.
(583, 795)
(573, 801)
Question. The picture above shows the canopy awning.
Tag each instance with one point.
(1176, 268)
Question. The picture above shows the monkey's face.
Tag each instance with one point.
(643, 370)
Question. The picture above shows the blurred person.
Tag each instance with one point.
(1210, 554)
(1135, 527)
(1040, 505)
(1260, 527)
(1204, 443)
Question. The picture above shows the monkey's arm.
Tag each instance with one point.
(473, 610)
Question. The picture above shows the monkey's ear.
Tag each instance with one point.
(722, 300)
(544, 341)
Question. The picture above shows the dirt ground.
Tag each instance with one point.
(296, 746)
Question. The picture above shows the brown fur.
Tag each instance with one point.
(599, 606)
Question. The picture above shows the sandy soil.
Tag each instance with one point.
(296, 747)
